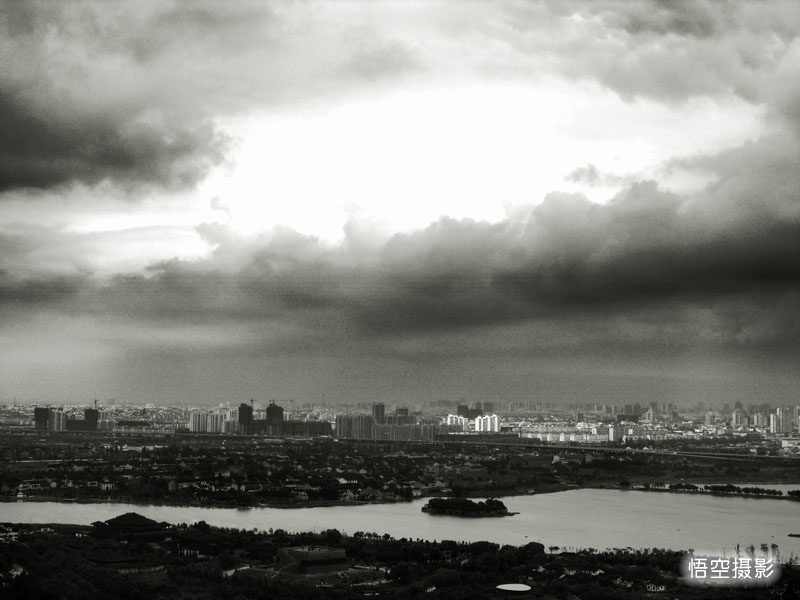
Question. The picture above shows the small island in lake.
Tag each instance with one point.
(463, 507)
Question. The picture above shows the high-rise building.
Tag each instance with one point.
(89, 422)
(785, 420)
(379, 413)
(358, 427)
(56, 420)
(401, 416)
(198, 421)
(215, 422)
(40, 414)
(274, 419)
(274, 414)
(460, 422)
(487, 423)
(91, 416)
(245, 419)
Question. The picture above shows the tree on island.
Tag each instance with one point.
(466, 506)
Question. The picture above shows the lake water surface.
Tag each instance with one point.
(586, 518)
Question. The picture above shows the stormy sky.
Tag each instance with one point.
(561, 201)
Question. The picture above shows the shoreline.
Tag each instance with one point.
(717, 494)
(283, 505)
(332, 503)
(316, 504)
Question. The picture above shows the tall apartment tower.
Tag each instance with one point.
(56, 419)
(245, 419)
(40, 414)
(92, 416)
(785, 420)
(274, 419)
(355, 426)
(379, 413)
(198, 421)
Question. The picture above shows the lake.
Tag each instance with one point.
(586, 518)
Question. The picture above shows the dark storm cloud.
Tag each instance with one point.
(733, 251)
(27, 289)
(56, 291)
(42, 148)
(134, 92)
(76, 106)
(650, 268)
(570, 257)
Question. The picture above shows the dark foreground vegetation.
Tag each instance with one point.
(201, 562)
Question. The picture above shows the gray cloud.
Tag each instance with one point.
(33, 292)
(652, 294)
(590, 175)
(77, 104)
(681, 17)
(43, 148)
(134, 94)
(378, 60)
(664, 50)
(647, 260)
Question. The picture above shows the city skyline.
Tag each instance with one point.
(566, 202)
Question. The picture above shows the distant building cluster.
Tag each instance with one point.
(57, 419)
(247, 421)
(364, 427)
(480, 423)
(217, 421)
(593, 424)
(402, 426)
(782, 420)
(587, 423)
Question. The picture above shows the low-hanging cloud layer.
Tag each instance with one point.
(654, 294)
